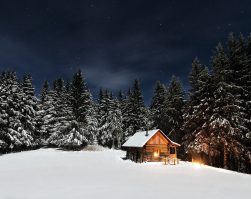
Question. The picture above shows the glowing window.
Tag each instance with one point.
(156, 153)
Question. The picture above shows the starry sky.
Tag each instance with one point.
(115, 41)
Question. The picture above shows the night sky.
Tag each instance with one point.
(115, 41)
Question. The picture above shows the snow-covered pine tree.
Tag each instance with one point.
(194, 76)
(44, 91)
(197, 115)
(226, 122)
(127, 126)
(157, 106)
(70, 138)
(247, 87)
(110, 120)
(239, 61)
(248, 105)
(173, 109)
(115, 123)
(217, 117)
(105, 106)
(200, 142)
(3, 114)
(91, 129)
(15, 133)
(30, 107)
(80, 96)
(28, 86)
(46, 116)
(123, 102)
(83, 106)
(137, 113)
(66, 132)
(190, 122)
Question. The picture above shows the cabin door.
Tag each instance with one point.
(156, 154)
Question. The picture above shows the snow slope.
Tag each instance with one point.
(54, 174)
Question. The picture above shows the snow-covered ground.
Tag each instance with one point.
(54, 174)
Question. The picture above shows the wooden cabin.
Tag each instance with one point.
(152, 146)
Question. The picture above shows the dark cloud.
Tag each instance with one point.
(115, 41)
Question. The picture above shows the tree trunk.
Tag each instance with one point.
(119, 142)
(225, 157)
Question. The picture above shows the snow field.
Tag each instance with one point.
(55, 174)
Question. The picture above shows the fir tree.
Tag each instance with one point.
(30, 106)
(136, 116)
(28, 86)
(115, 124)
(45, 89)
(91, 129)
(105, 107)
(173, 110)
(157, 106)
(80, 97)
(16, 132)
(47, 114)
(65, 132)
(196, 121)
(197, 68)
(70, 137)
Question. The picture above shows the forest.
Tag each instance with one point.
(212, 120)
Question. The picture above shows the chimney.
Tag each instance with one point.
(147, 132)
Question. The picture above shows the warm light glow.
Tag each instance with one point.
(197, 165)
(156, 154)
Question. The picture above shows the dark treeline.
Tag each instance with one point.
(213, 124)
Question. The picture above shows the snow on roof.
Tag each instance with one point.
(139, 139)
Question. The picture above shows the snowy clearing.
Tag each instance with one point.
(54, 174)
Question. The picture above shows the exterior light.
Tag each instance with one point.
(197, 165)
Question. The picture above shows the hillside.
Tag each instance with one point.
(54, 174)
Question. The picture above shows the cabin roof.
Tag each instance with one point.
(139, 139)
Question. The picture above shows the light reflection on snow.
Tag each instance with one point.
(196, 165)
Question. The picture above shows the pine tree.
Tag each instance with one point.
(70, 138)
(122, 103)
(221, 127)
(197, 68)
(157, 106)
(16, 133)
(45, 90)
(197, 115)
(91, 129)
(3, 113)
(115, 124)
(215, 120)
(247, 87)
(190, 121)
(189, 125)
(47, 114)
(80, 96)
(105, 107)
(66, 132)
(238, 79)
(126, 114)
(173, 110)
(136, 117)
(27, 86)
(30, 106)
